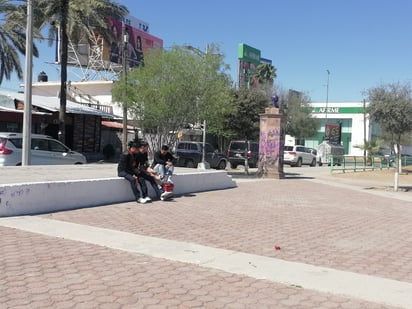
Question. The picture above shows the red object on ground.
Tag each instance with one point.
(277, 247)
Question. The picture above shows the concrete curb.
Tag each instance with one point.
(48, 196)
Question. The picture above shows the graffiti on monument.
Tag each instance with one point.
(269, 146)
(269, 143)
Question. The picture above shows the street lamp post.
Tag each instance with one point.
(327, 100)
(203, 164)
(204, 142)
(125, 42)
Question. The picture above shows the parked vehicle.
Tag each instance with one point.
(44, 151)
(313, 151)
(298, 155)
(327, 150)
(189, 154)
(239, 150)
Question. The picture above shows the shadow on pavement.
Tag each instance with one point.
(296, 176)
(254, 174)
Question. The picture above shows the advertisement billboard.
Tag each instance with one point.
(249, 59)
(264, 60)
(138, 43)
(106, 53)
(333, 133)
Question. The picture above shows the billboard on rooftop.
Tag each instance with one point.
(249, 59)
(101, 54)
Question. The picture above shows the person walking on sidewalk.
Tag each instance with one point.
(163, 162)
(127, 168)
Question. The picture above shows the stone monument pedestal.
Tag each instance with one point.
(270, 144)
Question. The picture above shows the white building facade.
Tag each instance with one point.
(354, 124)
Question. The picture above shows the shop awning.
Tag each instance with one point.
(115, 125)
(52, 104)
(20, 111)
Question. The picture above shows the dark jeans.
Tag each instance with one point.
(133, 184)
(142, 181)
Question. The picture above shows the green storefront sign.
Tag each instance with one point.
(338, 110)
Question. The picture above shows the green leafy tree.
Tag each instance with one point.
(73, 19)
(296, 110)
(390, 106)
(249, 103)
(12, 42)
(176, 87)
(244, 121)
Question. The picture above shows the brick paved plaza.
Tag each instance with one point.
(291, 243)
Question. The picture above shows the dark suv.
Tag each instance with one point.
(239, 150)
(189, 154)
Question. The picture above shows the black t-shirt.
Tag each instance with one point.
(142, 160)
(160, 158)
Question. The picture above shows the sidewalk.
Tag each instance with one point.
(300, 242)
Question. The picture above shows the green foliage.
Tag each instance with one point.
(83, 19)
(297, 120)
(265, 74)
(12, 41)
(391, 107)
(244, 121)
(177, 87)
(372, 147)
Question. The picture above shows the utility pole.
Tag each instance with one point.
(27, 87)
(125, 37)
(364, 128)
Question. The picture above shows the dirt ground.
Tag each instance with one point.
(385, 176)
(379, 174)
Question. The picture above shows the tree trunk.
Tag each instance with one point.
(398, 166)
(64, 41)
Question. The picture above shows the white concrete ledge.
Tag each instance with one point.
(49, 196)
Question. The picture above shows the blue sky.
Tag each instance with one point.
(363, 43)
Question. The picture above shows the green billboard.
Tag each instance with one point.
(247, 53)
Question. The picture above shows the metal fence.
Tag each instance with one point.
(361, 163)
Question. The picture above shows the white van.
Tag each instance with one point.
(44, 151)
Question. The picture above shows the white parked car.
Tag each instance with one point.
(44, 151)
(298, 155)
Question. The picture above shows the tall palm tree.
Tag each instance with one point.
(265, 73)
(72, 20)
(12, 41)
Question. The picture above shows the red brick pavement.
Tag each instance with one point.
(312, 223)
